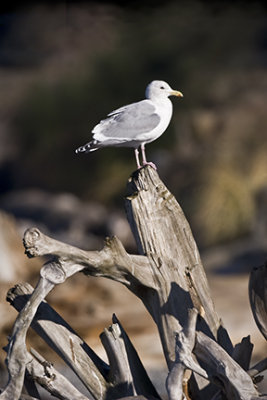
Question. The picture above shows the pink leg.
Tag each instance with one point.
(145, 162)
(136, 153)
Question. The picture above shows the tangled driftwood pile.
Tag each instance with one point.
(169, 278)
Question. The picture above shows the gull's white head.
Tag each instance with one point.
(160, 89)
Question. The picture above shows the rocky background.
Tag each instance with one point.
(63, 67)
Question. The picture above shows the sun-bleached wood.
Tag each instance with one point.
(64, 341)
(164, 236)
(43, 372)
(17, 354)
(217, 365)
(223, 370)
(101, 380)
(167, 276)
(185, 342)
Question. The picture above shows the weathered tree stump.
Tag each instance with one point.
(177, 278)
(168, 277)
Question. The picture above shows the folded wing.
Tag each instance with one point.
(128, 122)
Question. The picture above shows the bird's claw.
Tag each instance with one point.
(150, 163)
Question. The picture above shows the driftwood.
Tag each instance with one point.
(168, 277)
(258, 297)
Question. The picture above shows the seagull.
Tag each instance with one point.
(136, 124)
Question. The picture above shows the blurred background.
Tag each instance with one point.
(63, 67)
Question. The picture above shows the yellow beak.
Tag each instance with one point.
(176, 93)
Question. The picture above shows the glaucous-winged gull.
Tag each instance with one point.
(136, 124)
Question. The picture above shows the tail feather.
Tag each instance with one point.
(88, 147)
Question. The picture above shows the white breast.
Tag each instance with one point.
(164, 109)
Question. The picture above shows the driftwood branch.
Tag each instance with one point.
(102, 381)
(217, 365)
(167, 276)
(43, 372)
(258, 368)
(185, 342)
(258, 297)
(222, 370)
(24, 396)
(17, 355)
(111, 262)
(51, 274)
(125, 364)
(64, 341)
(127, 373)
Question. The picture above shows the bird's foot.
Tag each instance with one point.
(150, 163)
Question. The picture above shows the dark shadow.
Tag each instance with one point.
(178, 305)
(119, 391)
(141, 380)
(180, 302)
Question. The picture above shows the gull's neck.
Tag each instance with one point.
(160, 100)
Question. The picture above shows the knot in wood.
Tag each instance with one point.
(31, 236)
(109, 241)
(47, 366)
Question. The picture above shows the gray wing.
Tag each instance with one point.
(128, 122)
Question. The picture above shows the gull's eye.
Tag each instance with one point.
(162, 87)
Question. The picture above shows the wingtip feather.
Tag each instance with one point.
(87, 148)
